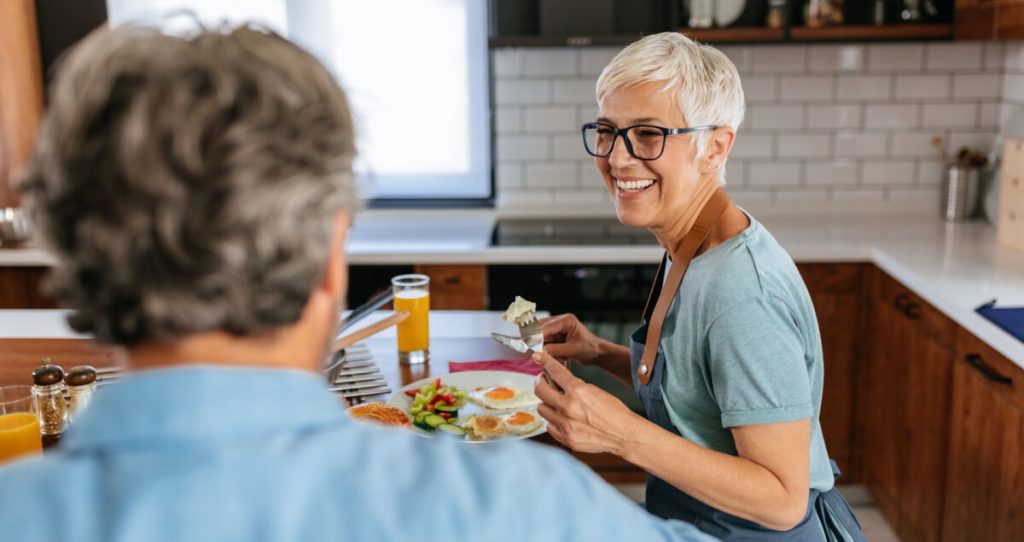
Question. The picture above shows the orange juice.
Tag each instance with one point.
(19, 435)
(414, 332)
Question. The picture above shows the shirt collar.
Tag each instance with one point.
(203, 403)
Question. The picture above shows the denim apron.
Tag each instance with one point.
(828, 516)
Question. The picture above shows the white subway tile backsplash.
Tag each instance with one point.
(994, 56)
(896, 57)
(760, 88)
(550, 61)
(829, 127)
(779, 59)
(982, 141)
(508, 120)
(509, 175)
(914, 144)
(574, 91)
(891, 116)
(507, 62)
(930, 174)
(988, 118)
(803, 146)
(837, 58)
(954, 56)
(988, 85)
(888, 173)
(864, 87)
(834, 116)
(949, 116)
(518, 147)
(844, 173)
(552, 175)
(752, 146)
(922, 86)
(594, 59)
(568, 147)
(740, 55)
(860, 145)
(760, 174)
(560, 119)
(521, 91)
(806, 88)
(775, 117)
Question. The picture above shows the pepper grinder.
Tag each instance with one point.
(48, 396)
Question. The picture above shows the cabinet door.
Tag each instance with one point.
(456, 287)
(837, 292)
(907, 389)
(985, 483)
(20, 288)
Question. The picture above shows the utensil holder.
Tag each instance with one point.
(961, 195)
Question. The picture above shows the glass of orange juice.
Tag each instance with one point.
(412, 294)
(19, 426)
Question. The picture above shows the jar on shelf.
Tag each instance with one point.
(81, 383)
(48, 396)
(776, 17)
(819, 13)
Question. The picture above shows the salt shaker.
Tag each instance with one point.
(81, 383)
(48, 396)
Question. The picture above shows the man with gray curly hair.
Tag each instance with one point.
(197, 192)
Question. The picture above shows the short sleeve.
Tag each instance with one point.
(757, 363)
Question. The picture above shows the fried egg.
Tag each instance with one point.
(521, 423)
(484, 427)
(504, 398)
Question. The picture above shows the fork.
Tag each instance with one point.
(533, 337)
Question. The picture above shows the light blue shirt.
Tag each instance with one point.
(222, 454)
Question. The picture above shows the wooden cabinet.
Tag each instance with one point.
(836, 290)
(456, 287)
(985, 477)
(20, 288)
(905, 408)
(989, 20)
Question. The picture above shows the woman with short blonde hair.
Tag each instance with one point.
(728, 362)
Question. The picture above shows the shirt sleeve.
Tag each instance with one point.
(758, 366)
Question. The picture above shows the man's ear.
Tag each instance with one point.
(335, 280)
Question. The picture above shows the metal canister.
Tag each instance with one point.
(961, 195)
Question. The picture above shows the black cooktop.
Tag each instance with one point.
(582, 231)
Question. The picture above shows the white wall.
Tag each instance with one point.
(829, 128)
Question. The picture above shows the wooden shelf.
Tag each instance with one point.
(873, 33)
(563, 41)
(734, 35)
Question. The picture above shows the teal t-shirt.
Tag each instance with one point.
(743, 347)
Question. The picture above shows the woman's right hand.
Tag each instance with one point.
(565, 337)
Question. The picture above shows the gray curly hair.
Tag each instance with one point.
(189, 183)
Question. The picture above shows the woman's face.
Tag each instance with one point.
(675, 174)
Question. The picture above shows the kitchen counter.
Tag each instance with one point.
(954, 267)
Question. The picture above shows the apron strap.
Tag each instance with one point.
(694, 239)
(652, 297)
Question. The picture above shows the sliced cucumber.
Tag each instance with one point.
(452, 429)
(421, 416)
(433, 420)
(445, 408)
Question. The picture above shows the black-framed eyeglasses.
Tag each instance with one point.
(643, 141)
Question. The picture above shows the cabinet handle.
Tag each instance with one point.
(901, 301)
(452, 281)
(990, 373)
(912, 310)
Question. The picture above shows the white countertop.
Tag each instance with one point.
(954, 267)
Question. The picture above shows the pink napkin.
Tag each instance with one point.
(516, 365)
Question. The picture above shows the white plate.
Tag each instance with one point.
(469, 381)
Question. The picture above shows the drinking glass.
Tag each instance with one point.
(412, 294)
(19, 425)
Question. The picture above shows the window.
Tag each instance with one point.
(416, 74)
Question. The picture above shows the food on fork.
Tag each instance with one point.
(504, 398)
(381, 413)
(520, 311)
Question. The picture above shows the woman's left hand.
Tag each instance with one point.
(582, 416)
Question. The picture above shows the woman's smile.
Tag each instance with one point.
(629, 188)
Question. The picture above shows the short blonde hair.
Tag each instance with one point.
(705, 81)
